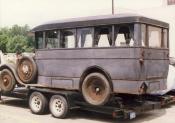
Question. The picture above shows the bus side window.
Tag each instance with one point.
(103, 36)
(124, 36)
(85, 37)
(68, 39)
(52, 40)
(39, 40)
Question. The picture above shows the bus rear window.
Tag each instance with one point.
(154, 36)
(165, 38)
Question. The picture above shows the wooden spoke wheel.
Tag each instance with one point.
(26, 69)
(7, 81)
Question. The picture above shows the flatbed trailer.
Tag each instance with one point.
(117, 108)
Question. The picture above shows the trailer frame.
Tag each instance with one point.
(76, 101)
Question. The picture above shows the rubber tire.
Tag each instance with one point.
(44, 103)
(65, 105)
(34, 72)
(106, 87)
(11, 85)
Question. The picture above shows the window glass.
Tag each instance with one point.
(39, 40)
(165, 36)
(124, 35)
(154, 36)
(52, 40)
(85, 37)
(103, 36)
(143, 35)
(68, 38)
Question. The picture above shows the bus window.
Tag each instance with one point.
(51, 40)
(154, 36)
(103, 36)
(85, 37)
(165, 38)
(39, 40)
(68, 38)
(124, 36)
(143, 35)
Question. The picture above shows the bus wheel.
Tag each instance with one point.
(59, 106)
(7, 81)
(38, 103)
(26, 69)
(96, 89)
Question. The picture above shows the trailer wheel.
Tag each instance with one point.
(7, 81)
(26, 69)
(38, 103)
(96, 89)
(59, 106)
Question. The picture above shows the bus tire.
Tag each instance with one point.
(7, 81)
(26, 69)
(96, 89)
(38, 103)
(59, 106)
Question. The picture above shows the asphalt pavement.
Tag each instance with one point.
(17, 111)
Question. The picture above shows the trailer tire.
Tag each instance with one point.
(96, 89)
(38, 103)
(59, 106)
(7, 81)
(26, 69)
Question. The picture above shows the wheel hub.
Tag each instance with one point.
(58, 104)
(6, 80)
(25, 69)
(36, 103)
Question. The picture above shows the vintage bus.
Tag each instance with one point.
(100, 56)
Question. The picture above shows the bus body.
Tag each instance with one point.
(131, 51)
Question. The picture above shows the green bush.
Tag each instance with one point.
(16, 39)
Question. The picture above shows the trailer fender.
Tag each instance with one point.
(12, 68)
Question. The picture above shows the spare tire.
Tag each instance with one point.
(96, 89)
(26, 69)
(7, 81)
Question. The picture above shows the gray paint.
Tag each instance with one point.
(122, 64)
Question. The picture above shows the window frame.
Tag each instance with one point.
(137, 41)
(36, 40)
(77, 36)
(110, 33)
(74, 31)
(58, 34)
(116, 32)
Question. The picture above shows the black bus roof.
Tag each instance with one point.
(99, 20)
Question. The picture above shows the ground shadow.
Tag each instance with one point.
(14, 102)
(147, 116)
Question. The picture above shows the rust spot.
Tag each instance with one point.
(141, 60)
